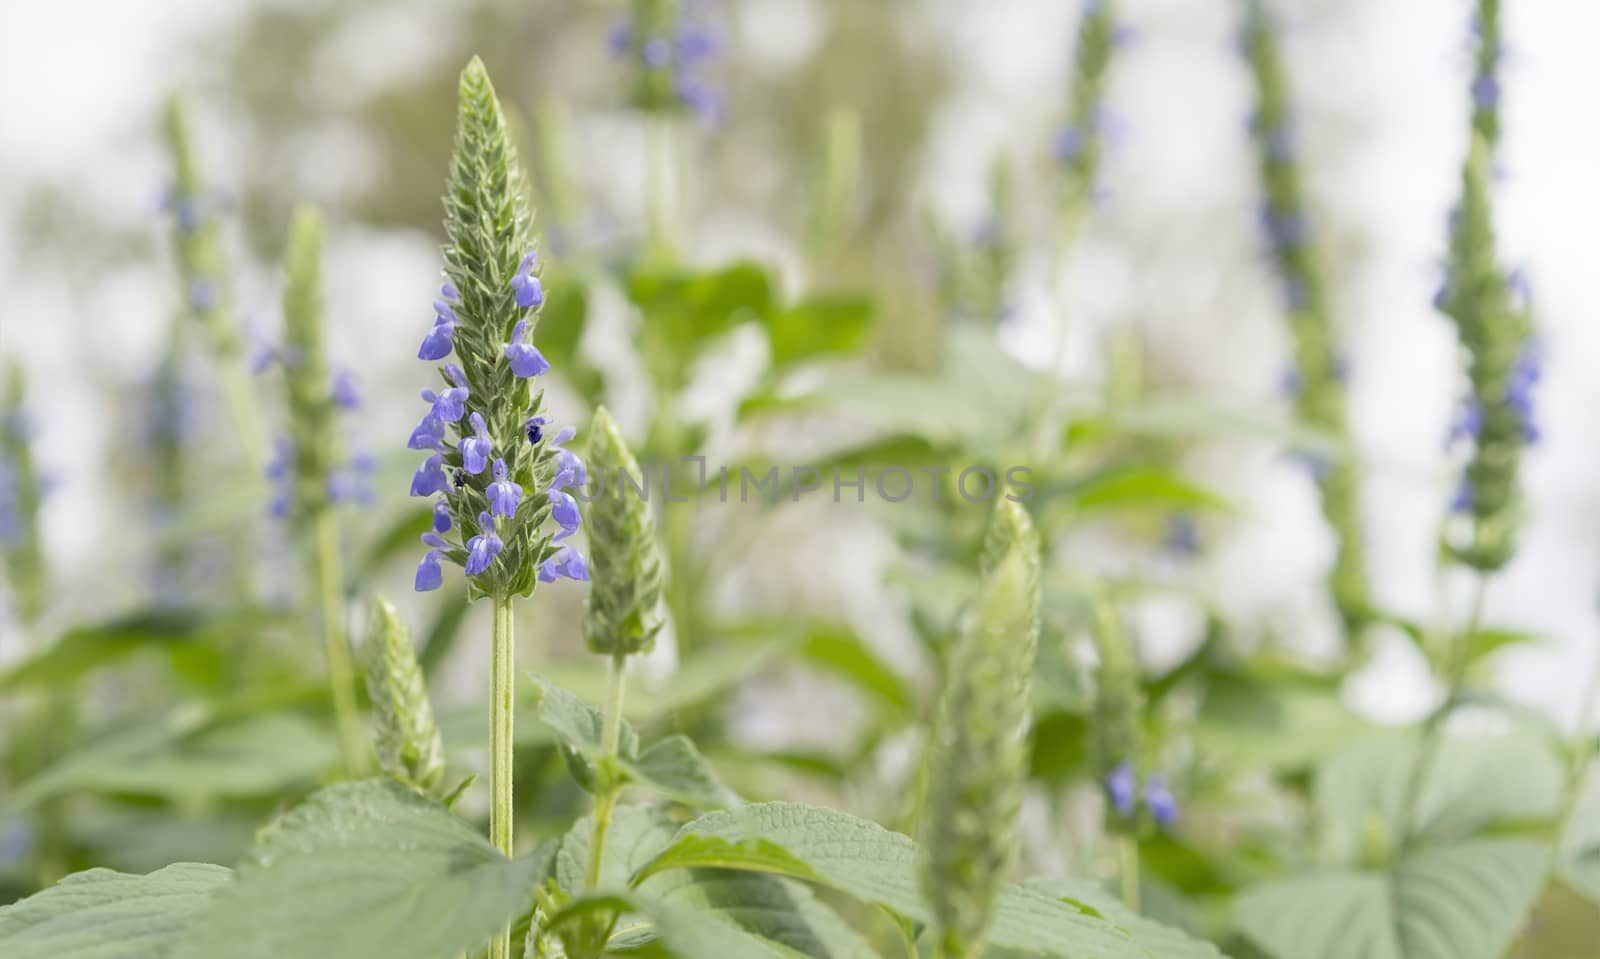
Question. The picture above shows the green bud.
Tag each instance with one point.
(408, 743)
(625, 609)
(1118, 701)
(977, 762)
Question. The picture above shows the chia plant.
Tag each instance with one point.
(1079, 144)
(1493, 319)
(978, 756)
(196, 212)
(1318, 379)
(498, 470)
(312, 470)
(670, 44)
(21, 491)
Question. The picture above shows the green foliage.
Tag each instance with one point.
(409, 746)
(625, 609)
(21, 548)
(364, 868)
(101, 914)
(312, 413)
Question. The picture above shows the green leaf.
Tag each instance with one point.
(778, 910)
(844, 654)
(1580, 841)
(1142, 487)
(84, 649)
(577, 723)
(1473, 783)
(1185, 417)
(1466, 901)
(683, 309)
(102, 914)
(637, 835)
(674, 768)
(864, 860)
(365, 869)
(821, 326)
(683, 932)
(1157, 939)
(184, 755)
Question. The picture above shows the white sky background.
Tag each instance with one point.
(1382, 88)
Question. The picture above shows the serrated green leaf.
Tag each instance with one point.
(864, 860)
(365, 869)
(1465, 901)
(637, 835)
(674, 768)
(101, 914)
(577, 723)
(1579, 864)
(780, 911)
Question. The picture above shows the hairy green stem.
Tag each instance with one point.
(341, 674)
(605, 800)
(1457, 656)
(501, 729)
(1128, 847)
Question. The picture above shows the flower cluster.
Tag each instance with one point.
(1320, 371)
(1125, 798)
(1079, 143)
(670, 43)
(311, 467)
(496, 473)
(196, 211)
(1493, 316)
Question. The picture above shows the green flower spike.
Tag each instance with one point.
(978, 758)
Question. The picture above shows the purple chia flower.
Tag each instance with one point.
(1068, 145)
(345, 394)
(619, 39)
(504, 495)
(441, 516)
(534, 429)
(429, 434)
(570, 471)
(483, 548)
(564, 510)
(526, 360)
(568, 563)
(1122, 787)
(525, 285)
(430, 478)
(430, 576)
(1464, 498)
(1486, 92)
(657, 53)
(1468, 424)
(1159, 800)
(441, 339)
(476, 448)
(202, 295)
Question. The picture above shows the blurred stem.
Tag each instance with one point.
(1129, 848)
(605, 800)
(240, 398)
(662, 189)
(341, 675)
(1041, 421)
(1457, 657)
(501, 729)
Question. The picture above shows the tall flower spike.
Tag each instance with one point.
(671, 43)
(978, 755)
(408, 743)
(625, 610)
(1319, 370)
(1080, 144)
(1494, 322)
(1118, 703)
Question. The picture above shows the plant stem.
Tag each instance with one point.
(606, 799)
(1457, 657)
(501, 727)
(241, 401)
(1129, 847)
(341, 675)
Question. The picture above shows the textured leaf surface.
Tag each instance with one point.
(680, 932)
(365, 869)
(1157, 939)
(675, 769)
(102, 914)
(1466, 901)
(875, 865)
